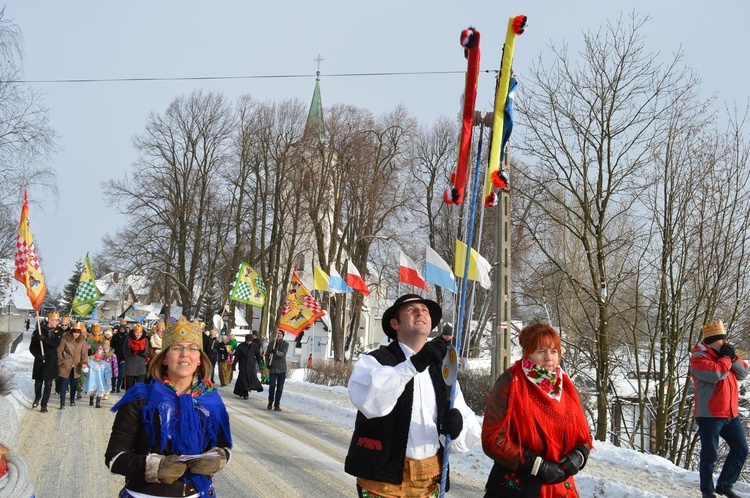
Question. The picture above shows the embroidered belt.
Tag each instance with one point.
(421, 478)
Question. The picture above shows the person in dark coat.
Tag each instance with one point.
(247, 380)
(276, 361)
(44, 349)
(118, 344)
(136, 354)
(212, 351)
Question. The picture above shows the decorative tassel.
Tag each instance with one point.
(519, 24)
(491, 200)
(500, 179)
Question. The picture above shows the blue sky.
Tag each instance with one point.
(181, 39)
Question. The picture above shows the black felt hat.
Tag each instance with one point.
(436, 313)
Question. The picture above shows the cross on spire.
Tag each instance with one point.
(319, 59)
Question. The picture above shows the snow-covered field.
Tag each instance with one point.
(611, 472)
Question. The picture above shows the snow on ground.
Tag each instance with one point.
(611, 472)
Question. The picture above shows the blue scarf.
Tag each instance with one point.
(188, 425)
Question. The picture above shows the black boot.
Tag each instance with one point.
(726, 491)
(98, 402)
(44, 409)
(62, 404)
(35, 403)
(270, 405)
(91, 400)
(277, 408)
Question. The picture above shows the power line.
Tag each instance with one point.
(251, 77)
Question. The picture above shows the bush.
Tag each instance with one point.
(328, 373)
(476, 385)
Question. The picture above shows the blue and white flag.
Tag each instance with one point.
(338, 284)
(438, 272)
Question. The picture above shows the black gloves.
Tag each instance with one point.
(432, 353)
(453, 423)
(535, 465)
(550, 472)
(727, 350)
(575, 460)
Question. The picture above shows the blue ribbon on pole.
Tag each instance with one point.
(462, 305)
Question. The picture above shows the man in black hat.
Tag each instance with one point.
(404, 406)
(447, 333)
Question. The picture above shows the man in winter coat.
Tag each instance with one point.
(118, 344)
(276, 361)
(43, 347)
(716, 368)
(403, 407)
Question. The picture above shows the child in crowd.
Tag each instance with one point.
(99, 378)
(111, 358)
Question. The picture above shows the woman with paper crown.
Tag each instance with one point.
(72, 360)
(172, 435)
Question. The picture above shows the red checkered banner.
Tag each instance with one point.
(28, 271)
(300, 309)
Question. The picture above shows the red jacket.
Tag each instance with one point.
(715, 379)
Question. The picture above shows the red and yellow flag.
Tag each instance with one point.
(300, 308)
(28, 271)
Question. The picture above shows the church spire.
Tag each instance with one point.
(314, 127)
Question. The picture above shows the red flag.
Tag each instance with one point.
(28, 271)
(408, 273)
(354, 280)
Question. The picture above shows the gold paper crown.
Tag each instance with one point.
(53, 315)
(96, 328)
(183, 330)
(65, 320)
(79, 326)
(714, 328)
(138, 327)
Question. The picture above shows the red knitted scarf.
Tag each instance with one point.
(137, 345)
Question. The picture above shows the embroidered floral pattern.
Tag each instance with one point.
(549, 382)
(198, 388)
(511, 481)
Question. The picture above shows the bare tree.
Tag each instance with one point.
(173, 198)
(590, 127)
(26, 137)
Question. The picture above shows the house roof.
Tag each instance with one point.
(14, 291)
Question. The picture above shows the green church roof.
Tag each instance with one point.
(314, 127)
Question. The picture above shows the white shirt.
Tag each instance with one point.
(374, 389)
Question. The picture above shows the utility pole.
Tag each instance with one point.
(501, 285)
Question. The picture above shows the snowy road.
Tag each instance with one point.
(276, 454)
(297, 452)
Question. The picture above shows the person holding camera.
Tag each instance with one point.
(716, 368)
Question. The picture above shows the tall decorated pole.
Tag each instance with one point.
(495, 176)
(470, 41)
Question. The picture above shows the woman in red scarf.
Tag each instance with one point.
(534, 427)
(136, 357)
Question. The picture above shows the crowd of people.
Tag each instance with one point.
(534, 427)
(73, 360)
